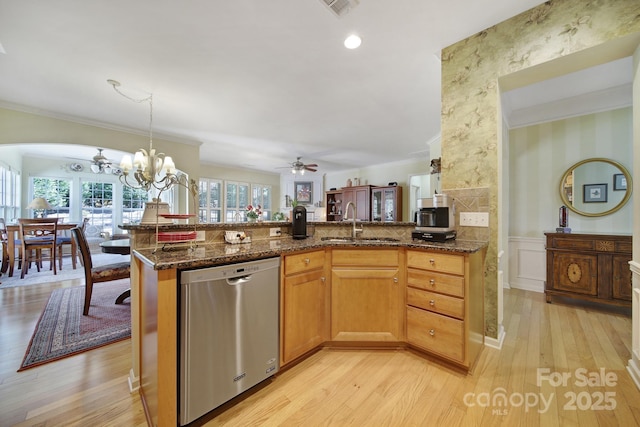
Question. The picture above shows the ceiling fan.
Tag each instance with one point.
(100, 164)
(299, 167)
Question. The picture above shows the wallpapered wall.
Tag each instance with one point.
(471, 129)
(539, 157)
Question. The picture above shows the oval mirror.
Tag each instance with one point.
(596, 187)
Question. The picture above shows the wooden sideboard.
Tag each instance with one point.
(590, 267)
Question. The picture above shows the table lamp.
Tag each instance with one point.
(39, 205)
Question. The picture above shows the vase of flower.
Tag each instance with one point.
(253, 213)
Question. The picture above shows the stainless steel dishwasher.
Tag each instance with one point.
(228, 333)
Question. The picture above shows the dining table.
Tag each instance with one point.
(13, 234)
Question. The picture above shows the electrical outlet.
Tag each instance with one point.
(466, 219)
(275, 232)
(474, 219)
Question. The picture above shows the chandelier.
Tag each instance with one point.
(149, 168)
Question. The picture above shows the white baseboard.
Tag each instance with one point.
(134, 382)
(634, 372)
(496, 342)
(527, 285)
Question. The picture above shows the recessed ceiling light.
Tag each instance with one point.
(352, 41)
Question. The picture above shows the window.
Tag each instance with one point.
(237, 200)
(9, 191)
(210, 201)
(261, 195)
(237, 196)
(57, 192)
(133, 200)
(97, 205)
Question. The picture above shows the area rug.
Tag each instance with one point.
(63, 331)
(35, 277)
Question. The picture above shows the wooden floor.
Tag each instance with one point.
(362, 388)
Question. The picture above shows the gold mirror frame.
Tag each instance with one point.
(624, 200)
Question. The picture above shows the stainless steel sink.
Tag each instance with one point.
(360, 239)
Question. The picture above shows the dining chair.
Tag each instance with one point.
(61, 241)
(103, 273)
(38, 234)
(4, 241)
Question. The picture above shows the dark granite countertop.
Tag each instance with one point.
(208, 255)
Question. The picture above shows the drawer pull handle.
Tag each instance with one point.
(432, 261)
(432, 303)
(432, 282)
(307, 260)
(432, 332)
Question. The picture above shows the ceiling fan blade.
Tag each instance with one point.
(310, 169)
(311, 165)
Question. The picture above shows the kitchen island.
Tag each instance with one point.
(419, 295)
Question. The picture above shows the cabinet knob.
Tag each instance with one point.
(395, 280)
(432, 332)
(323, 279)
(432, 261)
(307, 260)
(432, 282)
(432, 302)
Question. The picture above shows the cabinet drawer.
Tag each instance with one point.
(585, 245)
(437, 303)
(435, 332)
(307, 261)
(365, 257)
(445, 263)
(436, 282)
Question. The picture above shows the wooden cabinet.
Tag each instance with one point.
(305, 304)
(337, 200)
(591, 267)
(386, 204)
(366, 295)
(445, 310)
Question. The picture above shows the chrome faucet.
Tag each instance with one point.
(354, 231)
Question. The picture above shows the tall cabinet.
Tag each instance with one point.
(372, 203)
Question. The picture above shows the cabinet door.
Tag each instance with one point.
(621, 277)
(363, 203)
(377, 205)
(574, 272)
(366, 305)
(305, 318)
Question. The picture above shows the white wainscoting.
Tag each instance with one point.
(527, 263)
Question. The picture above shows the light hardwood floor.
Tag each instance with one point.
(348, 387)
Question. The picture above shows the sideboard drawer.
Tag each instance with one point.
(584, 245)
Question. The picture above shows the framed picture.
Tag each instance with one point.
(595, 193)
(619, 182)
(304, 192)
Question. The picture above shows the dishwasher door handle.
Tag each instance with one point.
(239, 280)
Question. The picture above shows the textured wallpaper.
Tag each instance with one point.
(470, 72)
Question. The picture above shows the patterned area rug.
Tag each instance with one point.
(63, 331)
